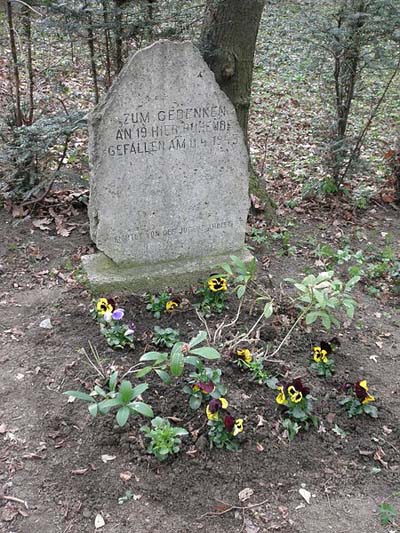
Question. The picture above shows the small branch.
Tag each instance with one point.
(233, 507)
(204, 322)
(28, 6)
(14, 499)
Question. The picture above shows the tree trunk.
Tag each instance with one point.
(107, 44)
(14, 54)
(93, 67)
(227, 43)
(29, 61)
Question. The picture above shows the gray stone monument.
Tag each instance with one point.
(169, 174)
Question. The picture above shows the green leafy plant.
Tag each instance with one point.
(116, 396)
(321, 297)
(165, 439)
(387, 514)
(166, 364)
(158, 304)
(296, 401)
(213, 294)
(166, 337)
(244, 359)
(258, 236)
(240, 273)
(223, 427)
(358, 400)
(128, 495)
(204, 384)
(284, 238)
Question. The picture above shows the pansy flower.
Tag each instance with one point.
(205, 388)
(103, 306)
(233, 426)
(214, 406)
(361, 392)
(217, 284)
(297, 391)
(320, 355)
(281, 398)
(245, 355)
(117, 314)
(171, 305)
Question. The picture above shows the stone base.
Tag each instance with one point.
(105, 276)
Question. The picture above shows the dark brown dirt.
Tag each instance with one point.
(50, 450)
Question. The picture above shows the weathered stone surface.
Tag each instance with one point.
(169, 164)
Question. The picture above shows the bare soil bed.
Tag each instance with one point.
(51, 450)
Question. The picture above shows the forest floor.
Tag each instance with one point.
(53, 455)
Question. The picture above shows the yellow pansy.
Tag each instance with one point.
(281, 398)
(171, 305)
(217, 284)
(103, 306)
(245, 354)
(294, 395)
(368, 398)
(320, 355)
(214, 406)
(238, 427)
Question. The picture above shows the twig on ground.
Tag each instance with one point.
(232, 508)
(204, 322)
(14, 499)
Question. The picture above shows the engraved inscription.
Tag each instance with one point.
(170, 129)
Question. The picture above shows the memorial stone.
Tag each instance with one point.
(169, 174)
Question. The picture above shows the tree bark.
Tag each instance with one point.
(14, 54)
(228, 42)
(93, 67)
(29, 61)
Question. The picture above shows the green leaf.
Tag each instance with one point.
(227, 268)
(192, 360)
(240, 291)
(177, 363)
(113, 380)
(80, 395)
(311, 317)
(151, 356)
(206, 352)
(239, 263)
(320, 297)
(93, 409)
(194, 402)
(268, 309)
(163, 375)
(370, 410)
(200, 337)
(143, 371)
(326, 321)
(107, 404)
(139, 389)
(142, 408)
(125, 392)
(180, 432)
(123, 415)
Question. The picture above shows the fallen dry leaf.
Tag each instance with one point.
(79, 471)
(245, 494)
